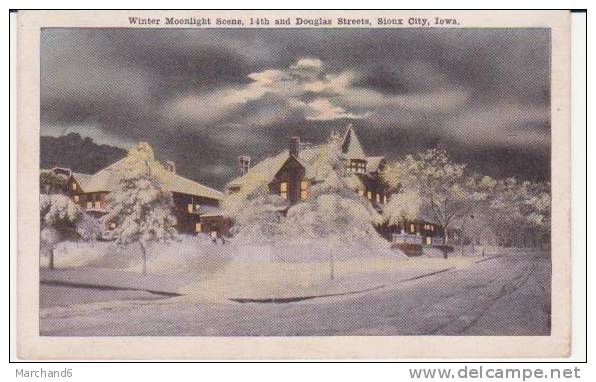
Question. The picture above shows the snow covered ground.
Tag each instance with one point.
(505, 295)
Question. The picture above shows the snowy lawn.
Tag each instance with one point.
(279, 280)
(196, 267)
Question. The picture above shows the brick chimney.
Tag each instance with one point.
(295, 146)
(171, 166)
(244, 163)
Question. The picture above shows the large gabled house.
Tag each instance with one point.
(192, 200)
(293, 171)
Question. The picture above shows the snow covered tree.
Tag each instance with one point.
(333, 212)
(50, 183)
(255, 211)
(401, 207)
(141, 210)
(446, 195)
(61, 220)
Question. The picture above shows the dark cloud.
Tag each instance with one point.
(203, 97)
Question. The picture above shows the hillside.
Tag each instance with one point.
(77, 153)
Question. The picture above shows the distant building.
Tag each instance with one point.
(192, 200)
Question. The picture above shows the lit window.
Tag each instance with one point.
(76, 198)
(97, 204)
(112, 225)
(369, 195)
(189, 208)
(283, 190)
(197, 207)
(432, 228)
(428, 240)
(89, 205)
(198, 227)
(361, 192)
(378, 198)
(303, 189)
(412, 227)
(384, 199)
(74, 186)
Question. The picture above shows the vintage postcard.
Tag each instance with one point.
(293, 184)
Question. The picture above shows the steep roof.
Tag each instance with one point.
(351, 146)
(108, 179)
(82, 179)
(270, 166)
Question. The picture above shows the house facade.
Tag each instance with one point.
(293, 171)
(191, 200)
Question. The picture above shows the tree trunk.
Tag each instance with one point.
(144, 251)
(332, 267)
(444, 246)
(52, 258)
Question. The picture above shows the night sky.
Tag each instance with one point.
(202, 97)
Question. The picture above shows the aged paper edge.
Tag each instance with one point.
(30, 345)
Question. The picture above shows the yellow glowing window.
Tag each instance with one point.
(189, 208)
(283, 190)
(74, 186)
(369, 195)
(428, 240)
(198, 227)
(303, 189)
(89, 205)
(384, 199)
(76, 198)
(361, 192)
(378, 198)
(97, 204)
(412, 227)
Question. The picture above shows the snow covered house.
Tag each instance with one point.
(194, 203)
(293, 171)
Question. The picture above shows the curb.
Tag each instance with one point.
(301, 298)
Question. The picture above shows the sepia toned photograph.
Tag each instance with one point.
(262, 176)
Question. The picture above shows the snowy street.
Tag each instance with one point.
(507, 295)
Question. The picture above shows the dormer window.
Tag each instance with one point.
(357, 166)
